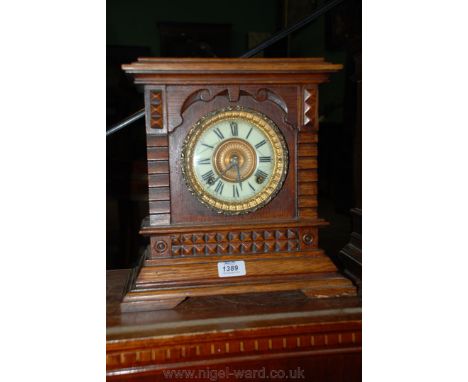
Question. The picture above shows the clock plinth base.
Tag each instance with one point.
(313, 273)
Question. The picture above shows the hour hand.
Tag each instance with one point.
(222, 173)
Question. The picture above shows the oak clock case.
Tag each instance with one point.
(232, 176)
(234, 160)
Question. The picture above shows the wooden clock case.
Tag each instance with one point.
(279, 242)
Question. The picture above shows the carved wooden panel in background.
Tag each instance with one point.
(337, 337)
(231, 348)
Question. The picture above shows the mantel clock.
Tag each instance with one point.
(232, 173)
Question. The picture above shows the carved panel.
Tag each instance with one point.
(239, 242)
(156, 109)
(310, 108)
(161, 245)
(204, 95)
(264, 94)
(232, 93)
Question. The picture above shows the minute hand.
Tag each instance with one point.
(238, 176)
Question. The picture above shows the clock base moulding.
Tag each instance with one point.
(281, 258)
(323, 285)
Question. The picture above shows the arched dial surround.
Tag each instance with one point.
(234, 160)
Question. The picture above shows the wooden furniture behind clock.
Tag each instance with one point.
(232, 168)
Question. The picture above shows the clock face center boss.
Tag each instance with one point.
(234, 160)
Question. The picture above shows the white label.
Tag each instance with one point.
(231, 268)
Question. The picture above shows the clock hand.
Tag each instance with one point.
(220, 175)
(238, 175)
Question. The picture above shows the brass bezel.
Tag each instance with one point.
(280, 150)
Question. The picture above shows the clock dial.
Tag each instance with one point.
(234, 160)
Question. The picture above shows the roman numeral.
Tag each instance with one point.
(261, 173)
(218, 132)
(252, 187)
(205, 161)
(210, 147)
(260, 144)
(234, 129)
(235, 191)
(219, 187)
(247, 137)
(208, 175)
(265, 159)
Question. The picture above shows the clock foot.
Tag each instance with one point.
(332, 292)
(149, 305)
(345, 289)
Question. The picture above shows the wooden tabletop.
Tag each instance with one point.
(251, 329)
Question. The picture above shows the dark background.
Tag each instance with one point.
(214, 28)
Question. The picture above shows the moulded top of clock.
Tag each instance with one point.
(230, 65)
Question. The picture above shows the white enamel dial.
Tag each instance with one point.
(238, 178)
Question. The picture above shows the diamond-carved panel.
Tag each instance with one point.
(246, 236)
(270, 246)
(234, 236)
(199, 249)
(223, 248)
(156, 112)
(268, 235)
(210, 238)
(292, 234)
(211, 249)
(186, 239)
(187, 250)
(234, 247)
(221, 237)
(293, 245)
(310, 108)
(282, 246)
(235, 242)
(198, 238)
(258, 247)
(257, 235)
(246, 247)
(281, 235)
